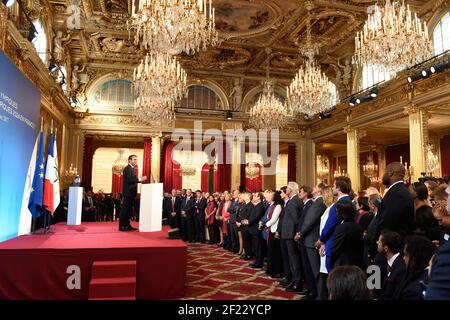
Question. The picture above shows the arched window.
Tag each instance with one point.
(40, 41)
(201, 97)
(372, 74)
(441, 35)
(117, 92)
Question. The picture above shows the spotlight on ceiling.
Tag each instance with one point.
(358, 100)
(374, 92)
(424, 73)
(229, 115)
(8, 3)
(352, 102)
(73, 101)
(52, 66)
(324, 115)
(414, 78)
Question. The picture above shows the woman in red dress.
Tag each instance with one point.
(210, 212)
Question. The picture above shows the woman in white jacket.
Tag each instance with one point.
(274, 259)
(327, 194)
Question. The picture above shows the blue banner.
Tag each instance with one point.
(19, 118)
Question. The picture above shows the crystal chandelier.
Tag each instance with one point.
(120, 162)
(322, 169)
(370, 169)
(174, 26)
(310, 92)
(393, 38)
(340, 173)
(268, 112)
(70, 174)
(159, 82)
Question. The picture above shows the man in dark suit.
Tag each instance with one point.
(129, 192)
(389, 244)
(199, 216)
(173, 208)
(243, 215)
(397, 207)
(252, 223)
(233, 227)
(288, 228)
(308, 236)
(89, 207)
(187, 217)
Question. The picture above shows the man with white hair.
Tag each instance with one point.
(288, 227)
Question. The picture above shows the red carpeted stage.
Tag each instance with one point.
(112, 264)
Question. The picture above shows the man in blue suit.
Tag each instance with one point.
(341, 188)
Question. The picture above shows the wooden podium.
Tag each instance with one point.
(150, 212)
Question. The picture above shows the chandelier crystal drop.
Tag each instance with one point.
(268, 112)
(310, 92)
(159, 83)
(174, 26)
(393, 38)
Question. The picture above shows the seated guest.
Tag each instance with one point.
(348, 283)
(347, 246)
(364, 215)
(390, 244)
(418, 251)
(210, 212)
(442, 215)
(439, 284)
(426, 224)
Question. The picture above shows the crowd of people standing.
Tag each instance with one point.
(319, 241)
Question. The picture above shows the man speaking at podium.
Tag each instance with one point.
(129, 192)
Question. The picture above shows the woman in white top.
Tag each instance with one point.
(274, 259)
(327, 194)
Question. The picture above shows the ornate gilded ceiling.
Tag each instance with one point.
(254, 33)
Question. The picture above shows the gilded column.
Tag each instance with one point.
(156, 158)
(236, 164)
(381, 151)
(305, 159)
(353, 157)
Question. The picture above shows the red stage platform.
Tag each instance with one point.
(36, 266)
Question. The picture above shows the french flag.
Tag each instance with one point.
(51, 181)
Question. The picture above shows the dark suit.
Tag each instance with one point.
(288, 228)
(411, 288)
(199, 217)
(233, 209)
(244, 214)
(187, 222)
(397, 211)
(129, 192)
(173, 204)
(347, 247)
(89, 209)
(310, 234)
(439, 285)
(256, 239)
(393, 277)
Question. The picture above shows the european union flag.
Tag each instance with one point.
(37, 189)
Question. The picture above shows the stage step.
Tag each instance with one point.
(113, 269)
(113, 280)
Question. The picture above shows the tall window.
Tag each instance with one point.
(118, 92)
(441, 35)
(201, 97)
(40, 41)
(372, 74)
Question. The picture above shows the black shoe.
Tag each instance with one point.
(285, 282)
(288, 284)
(247, 258)
(256, 265)
(304, 292)
(131, 228)
(123, 229)
(310, 297)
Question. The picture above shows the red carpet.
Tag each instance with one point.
(35, 266)
(214, 273)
